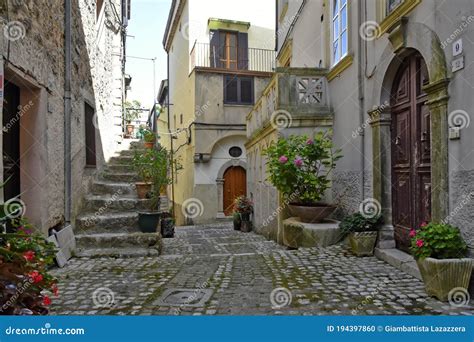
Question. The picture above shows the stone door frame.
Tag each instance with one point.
(405, 37)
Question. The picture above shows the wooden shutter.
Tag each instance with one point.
(214, 54)
(243, 54)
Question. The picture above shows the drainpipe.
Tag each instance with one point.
(169, 131)
(361, 81)
(67, 112)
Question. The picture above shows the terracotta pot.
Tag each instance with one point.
(149, 145)
(311, 214)
(363, 243)
(443, 275)
(143, 188)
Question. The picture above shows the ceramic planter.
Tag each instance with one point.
(143, 188)
(311, 214)
(363, 243)
(442, 275)
(167, 227)
(148, 221)
(237, 222)
(246, 226)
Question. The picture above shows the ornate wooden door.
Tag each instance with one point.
(411, 152)
(235, 185)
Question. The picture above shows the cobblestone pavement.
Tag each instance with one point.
(215, 270)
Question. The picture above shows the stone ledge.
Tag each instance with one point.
(399, 259)
(300, 234)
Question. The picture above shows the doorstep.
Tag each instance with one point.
(399, 259)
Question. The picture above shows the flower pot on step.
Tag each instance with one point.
(311, 213)
(363, 243)
(148, 221)
(149, 145)
(443, 275)
(143, 188)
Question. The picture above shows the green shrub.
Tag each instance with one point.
(437, 240)
(360, 223)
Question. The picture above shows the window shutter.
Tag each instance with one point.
(243, 53)
(214, 55)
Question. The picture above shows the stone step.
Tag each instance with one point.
(120, 160)
(130, 153)
(111, 188)
(120, 168)
(119, 177)
(114, 203)
(118, 240)
(124, 222)
(118, 253)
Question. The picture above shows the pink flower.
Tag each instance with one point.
(412, 233)
(29, 255)
(46, 301)
(298, 161)
(423, 224)
(283, 159)
(419, 243)
(36, 276)
(309, 142)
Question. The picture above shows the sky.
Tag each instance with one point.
(146, 26)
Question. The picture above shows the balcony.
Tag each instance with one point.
(294, 98)
(231, 59)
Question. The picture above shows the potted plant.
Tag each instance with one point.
(236, 220)
(25, 283)
(244, 207)
(141, 163)
(167, 225)
(132, 111)
(158, 170)
(299, 168)
(149, 138)
(362, 231)
(440, 252)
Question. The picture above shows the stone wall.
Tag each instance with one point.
(33, 51)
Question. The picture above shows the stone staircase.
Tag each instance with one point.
(108, 223)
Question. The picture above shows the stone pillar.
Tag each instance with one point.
(220, 197)
(438, 104)
(380, 120)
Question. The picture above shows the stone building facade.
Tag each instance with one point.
(392, 79)
(33, 47)
(220, 59)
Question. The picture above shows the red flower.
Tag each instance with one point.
(419, 243)
(29, 255)
(423, 224)
(412, 233)
(55, 290)
(46, 300)
(36, 276)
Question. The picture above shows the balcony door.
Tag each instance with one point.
(229, 50)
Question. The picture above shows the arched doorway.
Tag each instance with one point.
(235, 185)
(410, 149)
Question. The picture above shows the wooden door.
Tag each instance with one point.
(235, 185)
(11, 141)
(91, 159)
(411, 151)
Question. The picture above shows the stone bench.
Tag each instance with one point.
(300, 234)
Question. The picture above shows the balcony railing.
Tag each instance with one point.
(292, 95)
(205, 55)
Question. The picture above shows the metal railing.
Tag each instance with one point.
(205, 55)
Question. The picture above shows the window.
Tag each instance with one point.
(90, 123)
(392, 4)
(235, 151)
(339, 30)
(238, 90)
